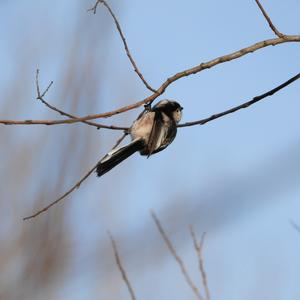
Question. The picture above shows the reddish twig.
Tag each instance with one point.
(94, 9)
(244, 105)
(199, 247)
(272, 26)
(121, 268)
(176, 256)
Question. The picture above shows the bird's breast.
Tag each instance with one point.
(141, 128)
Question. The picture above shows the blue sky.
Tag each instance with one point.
(235, 178)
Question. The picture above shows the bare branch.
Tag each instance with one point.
(94, 9)
(176, 256)
(272, 26)
(121, 268)
(199, 247)
(41, 98)
(120, 140)
(199, 122)
(75, 186)
(187, 124)
(244, 105)
(164, 86)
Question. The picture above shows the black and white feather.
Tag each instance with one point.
(151, 132)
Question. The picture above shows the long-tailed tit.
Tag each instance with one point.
(151, 132)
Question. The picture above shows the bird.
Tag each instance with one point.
(153, 131)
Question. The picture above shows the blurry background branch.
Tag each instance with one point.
(199, 248)
(121, 268)
(178, 259)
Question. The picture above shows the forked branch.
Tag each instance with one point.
(179, 261)
(199, 248)
(136, 69)
(164, 86)
(272, 26)
(40, 96)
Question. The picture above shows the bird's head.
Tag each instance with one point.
(171, 108)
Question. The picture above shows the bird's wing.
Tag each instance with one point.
(156, 133)
(168, 134)
(161, 134)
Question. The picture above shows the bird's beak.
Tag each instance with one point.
(181, 108)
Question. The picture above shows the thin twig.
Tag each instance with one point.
(121, 268)
(176, 256)
(272, 26)
(164, 86)
(198, 248)
(118, 142)
(244, 105)
(94, 8)
(75, 186)
(40, 97)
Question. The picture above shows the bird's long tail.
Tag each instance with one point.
(113, 158)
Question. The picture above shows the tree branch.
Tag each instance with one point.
(244, 105)
(176, 256)
(198, 248)
(121, 268)
(41, 98)
(272, 26)
(94, 9)
(74, 187)
(199, 122)
(164, 86)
